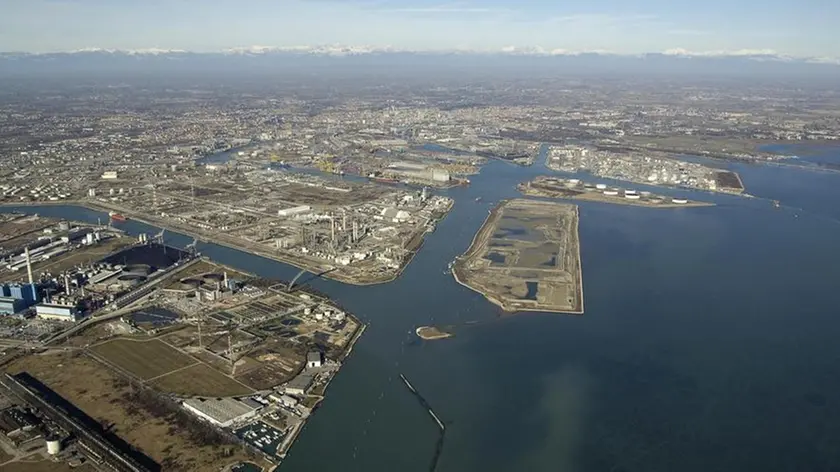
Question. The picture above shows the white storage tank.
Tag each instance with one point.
(53, 446)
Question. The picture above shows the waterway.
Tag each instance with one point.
(709, 342)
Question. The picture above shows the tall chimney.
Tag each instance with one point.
(28, 265)
(29, 273)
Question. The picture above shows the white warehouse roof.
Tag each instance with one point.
(221, 411)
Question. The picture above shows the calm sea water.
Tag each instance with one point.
(709, 342)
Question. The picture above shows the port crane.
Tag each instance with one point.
(191, 247)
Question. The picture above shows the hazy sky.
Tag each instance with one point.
(802, 28)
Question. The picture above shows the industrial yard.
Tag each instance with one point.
(575, 189)
(358, 233)
(649, 168)
(526, 257)
(206, 349)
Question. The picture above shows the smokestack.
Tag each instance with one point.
(226, 280)
(29, 274)
(66, 284)
(355, 231)
(28, 265)
(344, 223)
(332, 227)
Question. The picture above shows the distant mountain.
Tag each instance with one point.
(336, 59)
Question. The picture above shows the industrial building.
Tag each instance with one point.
(26, 292)
(313, 360)
(222, 412)
(49, 311)
(294, 211)
(9, 305)
(300, 384)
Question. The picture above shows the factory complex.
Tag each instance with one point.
(247, 360)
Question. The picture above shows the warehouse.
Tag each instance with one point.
(294, 211)
(49, 311)
(222, 412)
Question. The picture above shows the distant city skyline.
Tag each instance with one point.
(803, 29)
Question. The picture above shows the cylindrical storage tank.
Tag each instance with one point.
(53, 446)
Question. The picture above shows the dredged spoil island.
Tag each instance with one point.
(431, 333)
(554, 187)
(526, 257)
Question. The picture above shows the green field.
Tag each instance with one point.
(200, 380)
(143, 359)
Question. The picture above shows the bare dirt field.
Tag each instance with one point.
(526, 257)
(104, 396)
(143, 359)
(200, 380)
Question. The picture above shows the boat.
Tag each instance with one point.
(384, 180)
(776, 204)
(477, 199)
(116, 216)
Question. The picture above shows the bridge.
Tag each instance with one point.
(303, 271)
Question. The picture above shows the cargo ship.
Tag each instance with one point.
(116, 216)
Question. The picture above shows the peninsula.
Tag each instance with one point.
(554, 187)
(526, 257)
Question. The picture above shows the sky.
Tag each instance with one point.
(798, 28)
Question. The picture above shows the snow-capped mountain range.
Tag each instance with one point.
(345, 50)
(391, 61)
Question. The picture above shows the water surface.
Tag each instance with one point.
(709, 342)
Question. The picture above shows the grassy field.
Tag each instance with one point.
(200, 380)
(143, 359)
(96, 390)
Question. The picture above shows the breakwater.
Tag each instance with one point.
(441, 426)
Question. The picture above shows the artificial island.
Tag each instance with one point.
(555, 187)
(526, 257)
(111, 343)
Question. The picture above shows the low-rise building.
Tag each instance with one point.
(313, 360)
(300, 384)
(294, 211)
(222, 412)
(50, 311)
